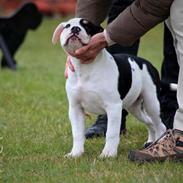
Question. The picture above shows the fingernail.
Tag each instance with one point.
(76, 52)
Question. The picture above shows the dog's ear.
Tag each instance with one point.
(57, 33)
(90, 28)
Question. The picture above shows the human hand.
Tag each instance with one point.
(87, 53)
(68, 65)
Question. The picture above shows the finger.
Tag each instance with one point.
(66, 71)
(72, 54)
(71, 66)
(82, 50)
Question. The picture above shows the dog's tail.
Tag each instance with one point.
(168, 86)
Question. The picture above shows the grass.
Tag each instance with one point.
(34, 128)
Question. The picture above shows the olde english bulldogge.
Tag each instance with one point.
(108, 84)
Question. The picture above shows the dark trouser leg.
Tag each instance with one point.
(100, 126)
(117, 8)
(169, 74)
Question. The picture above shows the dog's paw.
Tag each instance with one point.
(108, 153)
(74, 154)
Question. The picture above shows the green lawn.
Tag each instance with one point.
(35, 131)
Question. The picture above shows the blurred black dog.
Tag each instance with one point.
(13, 29)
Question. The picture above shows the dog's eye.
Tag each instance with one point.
(67, 26)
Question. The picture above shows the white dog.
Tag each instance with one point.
(108, 84)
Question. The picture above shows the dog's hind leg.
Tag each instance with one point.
(113, 130)
(152, 107)
(137, 110)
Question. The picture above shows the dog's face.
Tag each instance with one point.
(75, 33)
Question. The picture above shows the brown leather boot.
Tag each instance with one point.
(168, 147)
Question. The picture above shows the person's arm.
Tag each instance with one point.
(130, 25)
(93, 10)
(137, 19)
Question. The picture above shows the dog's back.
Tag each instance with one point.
(125, 70)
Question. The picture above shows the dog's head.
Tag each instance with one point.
(75, 33)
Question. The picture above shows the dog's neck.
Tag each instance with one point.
(84, 70)
(100, 57)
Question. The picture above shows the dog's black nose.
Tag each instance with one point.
(75, 30)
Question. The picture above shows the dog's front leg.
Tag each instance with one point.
(113, 130)
(76, 116)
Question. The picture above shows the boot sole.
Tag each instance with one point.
(175, 158)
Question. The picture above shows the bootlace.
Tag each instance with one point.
(164, 144)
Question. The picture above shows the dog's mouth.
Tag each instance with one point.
(74, 38)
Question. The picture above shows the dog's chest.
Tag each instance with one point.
(88, 95)
(94, 85)
(92, 102)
